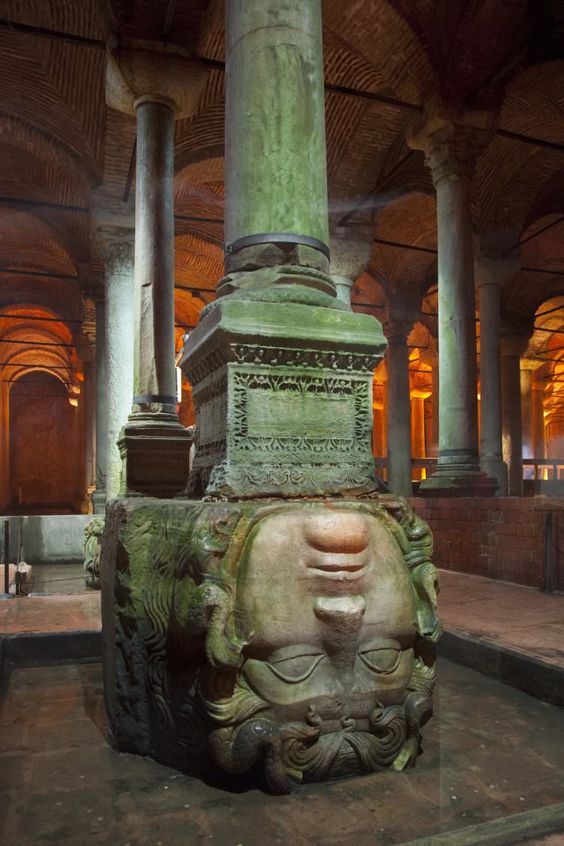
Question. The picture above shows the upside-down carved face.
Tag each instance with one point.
(326, 603)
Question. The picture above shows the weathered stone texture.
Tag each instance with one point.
(295, 635)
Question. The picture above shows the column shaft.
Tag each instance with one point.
(155, 379)
(451, 152)
(527, 412)
(490, 386)
(539, 443)
(458, 420)
(512, 435)
(399, 413)
(434, 451)
(89, 399)
(275, 126)
(99, 495)
(153, 445)
(119, 350)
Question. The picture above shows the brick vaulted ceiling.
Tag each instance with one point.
(63, 153)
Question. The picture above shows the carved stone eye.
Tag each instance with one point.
(295, 664)
(381, 656)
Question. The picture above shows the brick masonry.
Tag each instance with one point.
(498, 537)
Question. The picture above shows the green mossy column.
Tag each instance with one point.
(281, 370)
(275, 164)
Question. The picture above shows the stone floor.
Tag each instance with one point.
(58, 613)
(490, 751)
(58, 578)
(512, 616)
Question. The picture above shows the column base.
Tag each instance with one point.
(99, 501)
(451, 480)
(154, 455)
(232, 642)
(496, 469)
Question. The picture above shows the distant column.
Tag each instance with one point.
(399, 408)
(539, 441)
(450, 152)
(118, 254)
(513, 345)
(99, 495)
(491, 273)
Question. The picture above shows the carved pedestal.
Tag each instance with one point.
(297, 636)
(283, 397)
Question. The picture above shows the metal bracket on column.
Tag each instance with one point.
(277, 238)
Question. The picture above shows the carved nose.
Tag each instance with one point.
(337, 531)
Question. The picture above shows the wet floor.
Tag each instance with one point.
(491, 751)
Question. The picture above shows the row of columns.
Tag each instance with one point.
(153, 451)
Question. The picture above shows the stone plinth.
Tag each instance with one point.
(293, 635)
(283, 398)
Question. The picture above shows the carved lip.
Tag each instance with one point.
(339, 569)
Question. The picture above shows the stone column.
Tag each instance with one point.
(527, 375)
(491, 273)
(275, 137)
(513, 344)
(99, 495)
(343, 286)
(417, 428)
(117, 247)
(154, 445)
(89, 399)
(399, 408)
(450, 152)
(539, 441)
(156, 88)
(350, 253)
(277, 331)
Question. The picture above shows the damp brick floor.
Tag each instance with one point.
(489, 752)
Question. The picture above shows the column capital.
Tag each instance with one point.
(515, 338)
(397, 330)
(153, 73)
(350, 250)
(452, 144)
(116, 245)
(495, 269)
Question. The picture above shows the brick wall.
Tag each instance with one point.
(498, 537)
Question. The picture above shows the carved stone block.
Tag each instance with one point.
(92, 549)
(283, 398)
(293, 635)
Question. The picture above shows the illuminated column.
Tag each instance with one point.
(537, 403)
(89, 410)
(450, 152)
(99, 495)
(417, 428)
(117, 246)
(491, 273)
(527, 374)
(514, 342)
(399, 408)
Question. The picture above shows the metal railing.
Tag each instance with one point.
(534, 469)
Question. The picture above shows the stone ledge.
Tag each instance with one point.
(518, 828)
(32, 649)
(537, 678)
